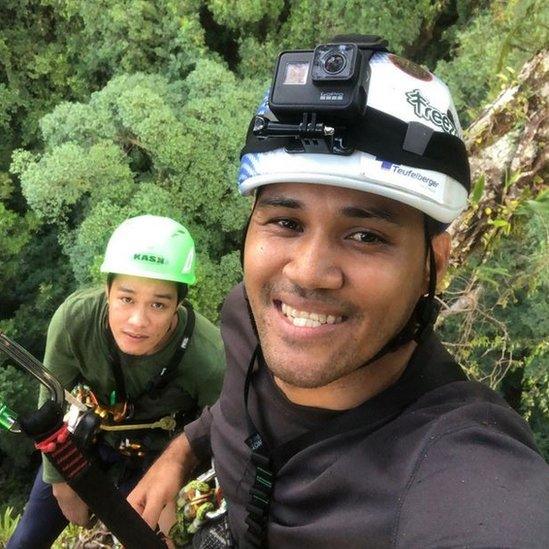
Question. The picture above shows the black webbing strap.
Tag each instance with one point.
(367, 418)
(262, 486)
(385, 137)
(166, 372)
(171, 369)
(87, 480)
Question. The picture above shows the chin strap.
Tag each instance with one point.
(428, 307)
(422, 320)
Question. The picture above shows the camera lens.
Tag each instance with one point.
(334, 63)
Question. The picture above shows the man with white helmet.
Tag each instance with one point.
(342, 421)
(138, 353)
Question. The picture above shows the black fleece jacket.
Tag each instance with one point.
(433, 461)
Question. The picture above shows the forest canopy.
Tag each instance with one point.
(111, 109)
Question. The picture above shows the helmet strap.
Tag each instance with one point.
(422, 320)
(243, 239)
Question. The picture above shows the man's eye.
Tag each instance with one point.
(288, 224)
(367, 237)
(158, 306)
(126, 299)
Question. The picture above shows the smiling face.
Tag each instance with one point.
(332, 275)
(142, 313)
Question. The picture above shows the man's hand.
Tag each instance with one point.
(158, 489)
(74, 509)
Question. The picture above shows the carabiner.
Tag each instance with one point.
(27, 362)
(8, 420)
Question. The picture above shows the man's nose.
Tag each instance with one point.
(138, 317)
(313, 264)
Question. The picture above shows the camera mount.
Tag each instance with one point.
(309, 136)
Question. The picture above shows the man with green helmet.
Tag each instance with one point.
(138, 353)
(343, 422)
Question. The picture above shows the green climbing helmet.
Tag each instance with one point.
(152, 247)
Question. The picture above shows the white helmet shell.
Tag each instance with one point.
(405, 91)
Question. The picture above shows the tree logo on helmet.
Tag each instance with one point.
(423, 109)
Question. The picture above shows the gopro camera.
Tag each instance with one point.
(317, 93)
(330, 80)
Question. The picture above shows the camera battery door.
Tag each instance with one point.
(328, 80)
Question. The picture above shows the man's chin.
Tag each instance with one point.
(134, 350)
(301, 376)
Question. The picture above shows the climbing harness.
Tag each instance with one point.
(53, 438)
(200, 506)
(88, 416)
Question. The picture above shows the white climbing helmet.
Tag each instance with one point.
(426, 168)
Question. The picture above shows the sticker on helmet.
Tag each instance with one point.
(410, 68)
(264, 105)
(424, 183)
(408, 172)
(189, 262)
(248, 167)
(150, 258)
(423, 109)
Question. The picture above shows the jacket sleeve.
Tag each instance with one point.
(198, 434)
(479, 485)
(212, 380)
(204, 363)
(62, 362)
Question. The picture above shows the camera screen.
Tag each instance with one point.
(296, 74)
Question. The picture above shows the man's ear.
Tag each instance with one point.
(442, 246)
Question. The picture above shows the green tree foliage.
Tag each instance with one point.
(37, 71)
(309, 22)
(143, 144)
(119, 36)
(120, 107)
(489, 48)
(501, 338)
(56, 50)
(8, 522)
(15, 233)
(33, 281)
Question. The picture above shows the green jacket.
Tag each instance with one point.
(77, 350)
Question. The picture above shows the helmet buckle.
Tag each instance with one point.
(417, 138)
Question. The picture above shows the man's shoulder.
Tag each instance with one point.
(236, 327)
(206, 331)
(81, 308)
(464, 402)
(85, 298)
(477, 465)
(468, 405)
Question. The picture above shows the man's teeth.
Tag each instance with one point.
(309, 320)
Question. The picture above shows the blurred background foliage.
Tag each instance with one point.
(115, 108)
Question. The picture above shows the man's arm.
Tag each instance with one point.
(59, 358)
(477, 486)
(74, 509)
(163, 481)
